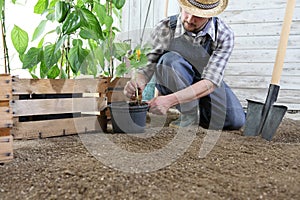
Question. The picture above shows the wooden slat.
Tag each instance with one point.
(6, 88)
(5, 117)
(6, 149)
(6, 123)
(57, 86)
(250, 15)
(4, 103)
(285, 96)
(260, 69)
(256, 4)
(246, 82)
(57, 106)
(263, 29)
(264, 42)
(262, 55)
(57, 127)
(5, 113)
(4, 131)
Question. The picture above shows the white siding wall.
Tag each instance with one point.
(257, 26)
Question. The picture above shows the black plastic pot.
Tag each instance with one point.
(128, 117)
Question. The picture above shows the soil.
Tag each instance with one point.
(237, 167)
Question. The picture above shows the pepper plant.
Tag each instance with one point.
(84, 40)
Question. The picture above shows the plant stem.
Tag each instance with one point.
(110, 40)
(137, 89)
(5, 49)
(67, 63)
(61, 61)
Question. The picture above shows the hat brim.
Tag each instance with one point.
(188, 7)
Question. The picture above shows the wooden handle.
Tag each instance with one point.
(277, 70)
(166, 8)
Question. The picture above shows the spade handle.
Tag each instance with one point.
(281, 50)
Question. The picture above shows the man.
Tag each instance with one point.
(189, 56)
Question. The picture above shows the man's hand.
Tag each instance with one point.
(160, 105)
(139, 83)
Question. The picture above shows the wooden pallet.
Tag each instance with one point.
(45, 108)
(6, 121)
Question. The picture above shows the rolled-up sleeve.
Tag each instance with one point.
(159, 40)
(214, 70)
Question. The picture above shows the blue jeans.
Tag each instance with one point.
(219, 110)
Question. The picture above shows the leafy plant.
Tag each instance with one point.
(84, 39)
(133, 60)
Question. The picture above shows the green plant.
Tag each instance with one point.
(133, 60)
(3, 34)
(84, 39)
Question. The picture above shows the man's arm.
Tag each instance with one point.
(161, 104)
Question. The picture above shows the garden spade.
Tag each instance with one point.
(264, 118)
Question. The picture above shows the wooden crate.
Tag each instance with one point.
(6, 149)
(6, 122)
(54, 107)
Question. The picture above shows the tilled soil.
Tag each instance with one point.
(237, 167)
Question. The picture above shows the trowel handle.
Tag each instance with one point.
(277, 70)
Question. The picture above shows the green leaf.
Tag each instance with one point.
(108, 22)
(40, 6)
(93, 70)
(41, 42)
(34, 76)
(119, 3)
(91, 28)
(63, 75)
(39, 30)
(52, 3)
(97, 52)
(80, 3)
(120, 49)
(50, 16)
(53, 72)
(43, 70)
(50, 56)
(32, 57)
(141, 63)
(99, 55)
(1, 7)
(71, 23)
(100, 12)
(62, 8)
(32, 72)
(121, 70)
(60, 42)
(19, 39)
(77, 56)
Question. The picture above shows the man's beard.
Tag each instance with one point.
(190, 26)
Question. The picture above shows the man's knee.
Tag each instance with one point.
(168, 59)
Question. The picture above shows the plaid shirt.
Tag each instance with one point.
(222, 46)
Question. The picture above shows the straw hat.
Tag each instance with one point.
(203, 8)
